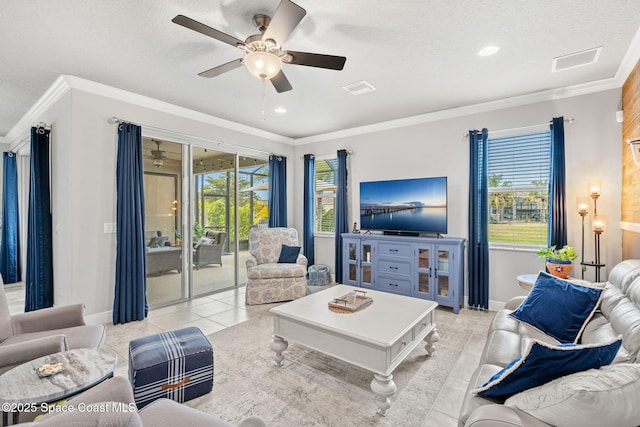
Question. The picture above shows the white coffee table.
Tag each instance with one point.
(377, 338)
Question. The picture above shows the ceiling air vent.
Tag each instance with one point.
(359, 88)
(578, 59)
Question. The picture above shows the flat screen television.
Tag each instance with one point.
(410, 206)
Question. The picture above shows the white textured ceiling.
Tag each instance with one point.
(421, 55)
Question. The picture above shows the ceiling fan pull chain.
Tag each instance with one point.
(264, 94)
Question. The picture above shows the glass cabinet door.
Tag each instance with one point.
(358, 264)
(443, 272)
(351, 266)
(366, 264)
(424, 270)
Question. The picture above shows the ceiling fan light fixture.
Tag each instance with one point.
(158, 163)
(263, 65)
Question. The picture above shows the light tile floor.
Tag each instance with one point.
(218, 311)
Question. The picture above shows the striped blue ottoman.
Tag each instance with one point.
(177, 365)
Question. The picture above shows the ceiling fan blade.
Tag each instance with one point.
(316, 60)
(281, 83)
(286, 18)
(206, 30)
(220, 69)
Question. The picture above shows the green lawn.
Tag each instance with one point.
(529, 233)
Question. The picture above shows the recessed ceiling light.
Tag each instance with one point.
(489, 50)
(280, 110)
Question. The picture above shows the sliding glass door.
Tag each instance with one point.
(223, 216)
(222, 195)
(163, 200)
(214, 216)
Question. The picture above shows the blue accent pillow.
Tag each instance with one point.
(289, 254)
(543, 362)
(558, 308)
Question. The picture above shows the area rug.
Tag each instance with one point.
(312, 389)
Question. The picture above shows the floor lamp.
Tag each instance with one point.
(583, 211)
(598, 224)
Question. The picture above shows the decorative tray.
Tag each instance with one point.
(347, 302)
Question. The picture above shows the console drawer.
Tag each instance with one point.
(394, 250)
(393, 284)
(394, 267)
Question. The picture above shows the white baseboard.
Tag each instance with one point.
(99, 318)
(496, 305)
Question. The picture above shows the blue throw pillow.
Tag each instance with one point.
(289, 254)
(558, 308)
(543, 362)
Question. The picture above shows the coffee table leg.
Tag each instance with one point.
(431, 339)
(383, 387)
(278, 345)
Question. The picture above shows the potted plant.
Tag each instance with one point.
(559, 261)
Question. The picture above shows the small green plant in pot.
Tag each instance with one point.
(559, 261)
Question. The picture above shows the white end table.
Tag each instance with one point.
(526, 281)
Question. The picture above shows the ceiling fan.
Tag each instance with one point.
(263, 52)
(157, 155)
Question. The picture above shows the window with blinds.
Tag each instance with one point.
(518, 174)
(325, 195)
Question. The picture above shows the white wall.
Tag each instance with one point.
(84, 146)
(439, 148)
(83, 177)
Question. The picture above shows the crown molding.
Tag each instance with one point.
(20, 131)
(64, 83)
(516, 101)
(630, 59)
(165, 107)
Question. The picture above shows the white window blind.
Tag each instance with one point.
(325, 194)
(518, 174)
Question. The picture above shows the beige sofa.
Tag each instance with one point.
(597, 397)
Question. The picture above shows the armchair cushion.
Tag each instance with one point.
(159, 241)
(98, 414)
(541, 363)
(114, 406)
(597, 397)
(203, 241)
(558, 308)
(289, 254)
(270, 271)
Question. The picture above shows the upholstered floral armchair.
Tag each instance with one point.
(276, 270)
